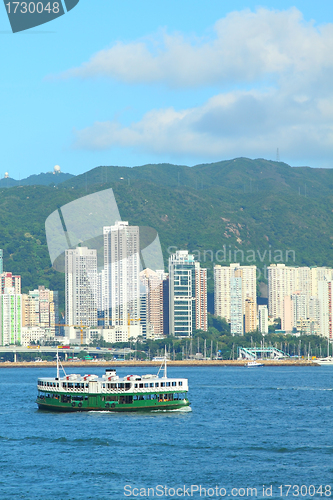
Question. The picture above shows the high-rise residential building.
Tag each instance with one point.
(285, 280)
(236, 306)
(121, 293)
(9, 280)
(10, 317)
(314, 309)
(40, 309)
(325, 297)
(287, 314)
(222, 287)
(263, 319)
(187, 295)
(154, 301)
(300, 307)
(222, 291)
(181, 293)
(166, 309)
(201, 321)
(81, 285)
(250, 315)
(1, 261)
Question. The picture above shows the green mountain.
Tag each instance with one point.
(251, 211)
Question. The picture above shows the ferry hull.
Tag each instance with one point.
(57, 406)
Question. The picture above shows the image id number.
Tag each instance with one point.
(303, 491)
(32, 7)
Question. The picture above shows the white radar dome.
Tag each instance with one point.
(6, 175)
(57, 169)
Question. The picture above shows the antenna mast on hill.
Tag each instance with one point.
(277, 155)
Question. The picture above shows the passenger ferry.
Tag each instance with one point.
(111, 393)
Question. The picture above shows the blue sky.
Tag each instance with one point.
(186, 82)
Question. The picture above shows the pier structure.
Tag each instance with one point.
(253, 353)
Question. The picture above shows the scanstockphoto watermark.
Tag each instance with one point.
(229, 254)
(193, 490)
(199, 491)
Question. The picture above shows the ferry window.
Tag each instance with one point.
(121, 386)
(168, 384)
(135, 398)
(180, 383)
(153, 396)
(103, 398)
(140, 386)
(57, 384)
(136, 386)
(146, 385)
(104, 388)
(113, 386)
(157, 384)
(127, 386)
(174, 383)
(162, 384)
(64, 385)
(87, 385)
(47, 384)
(151, 385)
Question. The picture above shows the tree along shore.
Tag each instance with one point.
(91, 364)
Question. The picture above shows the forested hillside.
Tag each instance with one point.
(264, 211)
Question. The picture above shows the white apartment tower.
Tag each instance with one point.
(236, 306)
(325, 296)
(153, 298)
(222, 287)
(81, 286)
(121, 292)
(263, 319)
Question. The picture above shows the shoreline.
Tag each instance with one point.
(90, 364)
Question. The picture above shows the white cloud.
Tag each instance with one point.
(248, 123)
(287, 62)
(246, 46)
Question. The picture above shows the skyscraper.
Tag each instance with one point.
(201, 322)
(236, 306)
(121, 293)
(154, 301)
(81, 285)
(222, 287)
(181, 293)
(10, 317)
(263, 319)
(187, 294)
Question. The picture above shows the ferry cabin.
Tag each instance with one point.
(89, 392)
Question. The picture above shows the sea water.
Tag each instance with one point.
(252, 433)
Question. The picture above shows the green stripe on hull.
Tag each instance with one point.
(104, 402)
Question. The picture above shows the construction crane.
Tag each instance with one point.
(81, 326)
(129, 323)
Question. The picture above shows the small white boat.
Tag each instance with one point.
(324, 361)
(253, 364)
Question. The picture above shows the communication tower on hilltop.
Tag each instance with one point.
(56, 170)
